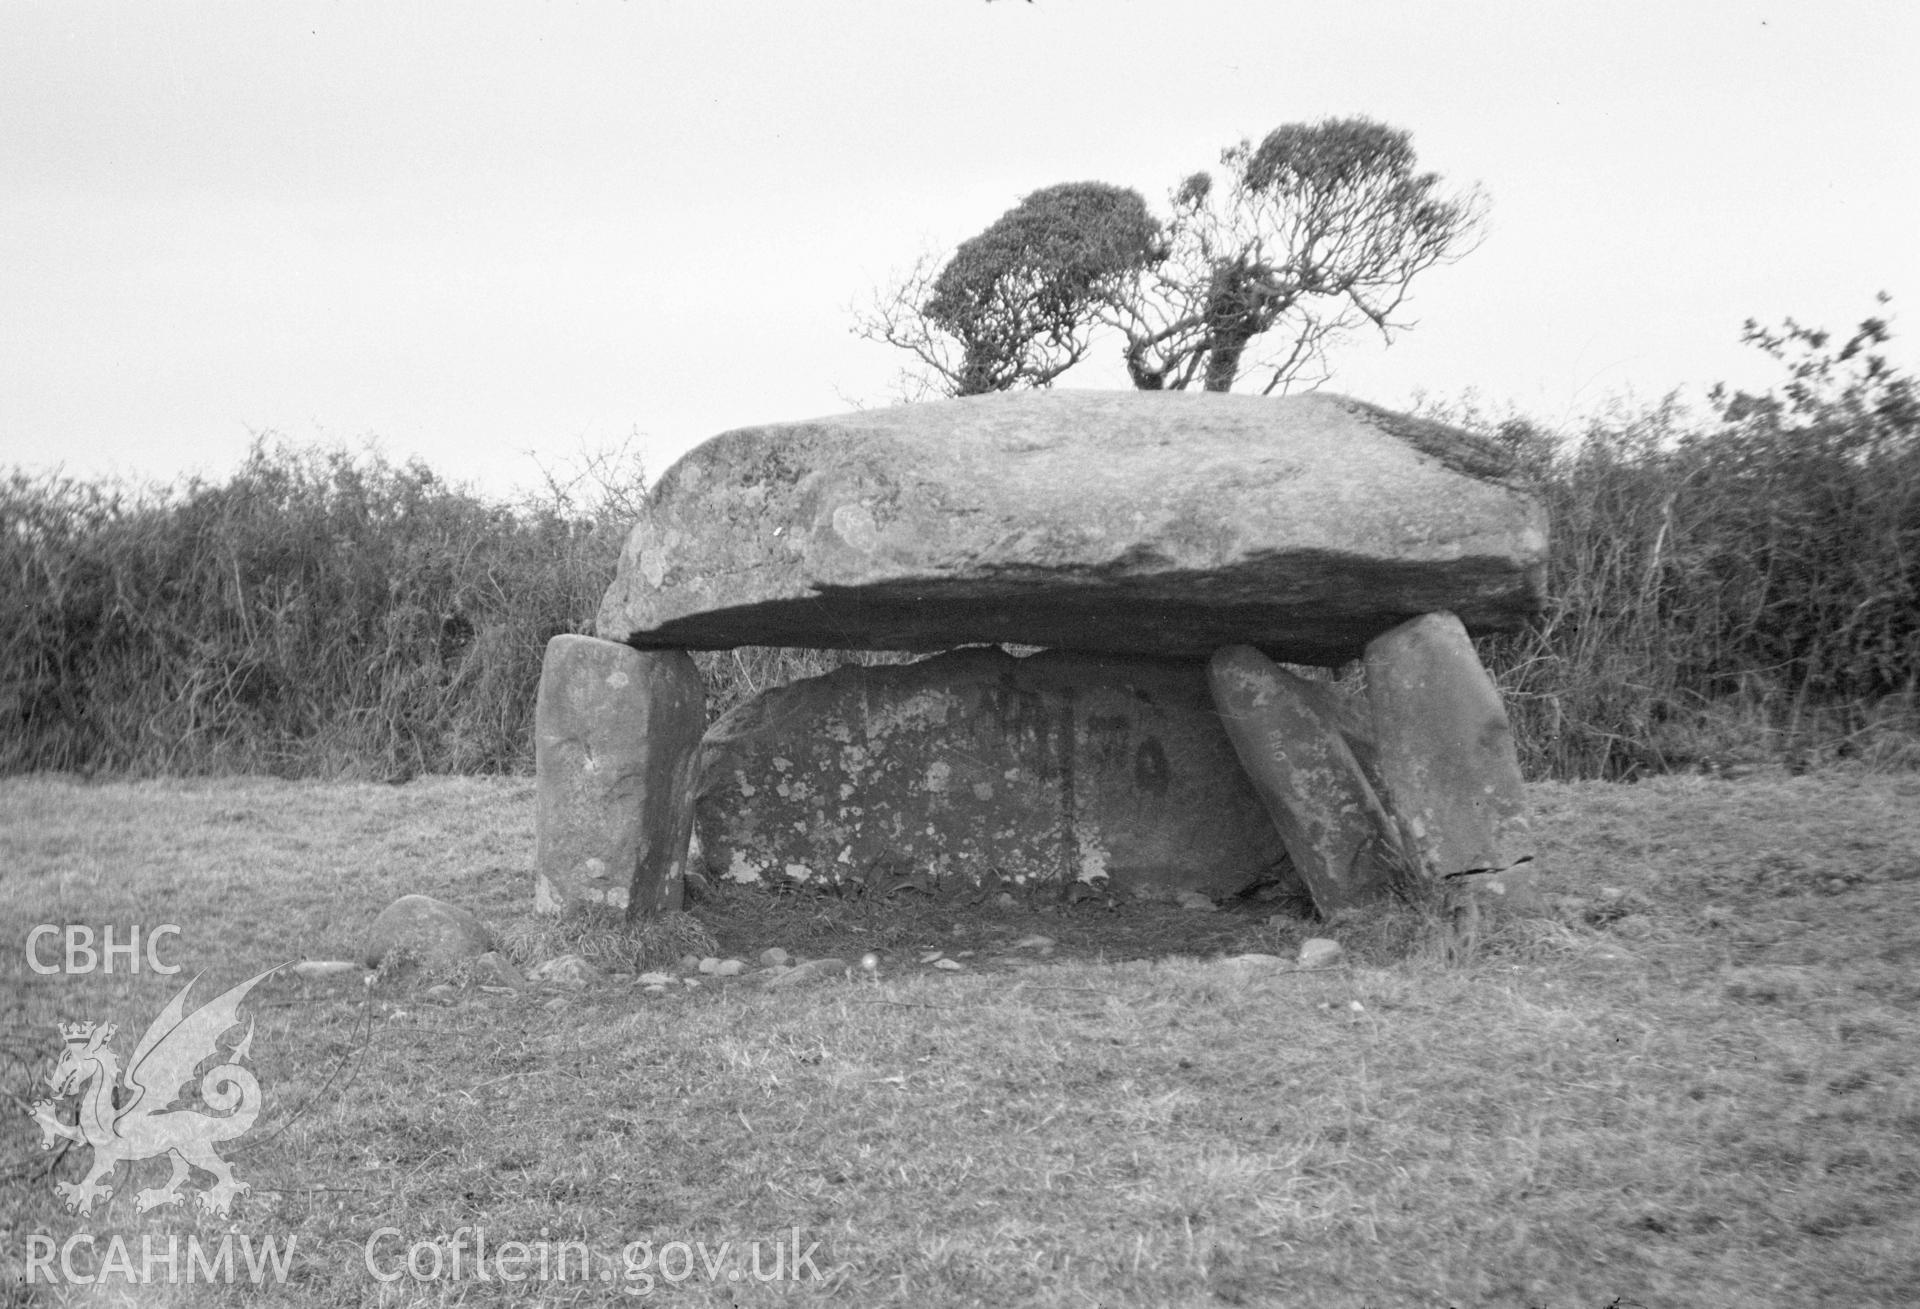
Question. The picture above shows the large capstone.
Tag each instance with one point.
(1167, 524)
(976, 768)
(616, 742)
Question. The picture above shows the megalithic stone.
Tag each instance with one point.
(1448, 761)
(616, 745)
(1333, 825)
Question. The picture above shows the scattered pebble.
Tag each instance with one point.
(494, 969)
(931, 955)
(711, 964)
(813, 970)
(315, 969)
(654, 979)
(1320, 952)
(566, 970)
(689, 962)
(1004, 900)
(1034, 942)
(950, 965)
(775, 958)
(730, 968)
(1196, 902)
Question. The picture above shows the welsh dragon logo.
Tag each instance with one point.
(142, 1126)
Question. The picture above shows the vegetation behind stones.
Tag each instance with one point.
(1726, 591)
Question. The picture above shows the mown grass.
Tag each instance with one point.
(1694, 1086)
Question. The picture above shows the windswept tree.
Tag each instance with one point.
(1016, 305)
(1317, 231)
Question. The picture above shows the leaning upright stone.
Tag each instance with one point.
(1306, 774)
(616, 745)
(1448, 761)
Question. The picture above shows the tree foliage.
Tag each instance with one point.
(1316, 231)
(1015, 305)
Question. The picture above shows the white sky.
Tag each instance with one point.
(475, 230)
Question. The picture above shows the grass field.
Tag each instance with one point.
(1696, 1086)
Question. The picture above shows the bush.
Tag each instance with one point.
(317, 612)
(1745, 587)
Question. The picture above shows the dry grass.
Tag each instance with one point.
(1694, 1086)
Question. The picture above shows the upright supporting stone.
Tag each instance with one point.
(1305, 773)
(616, 744)
(1448, 761)
(1105, 771)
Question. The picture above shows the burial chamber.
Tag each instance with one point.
(1168, 553)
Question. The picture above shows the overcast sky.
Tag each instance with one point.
(475, 230)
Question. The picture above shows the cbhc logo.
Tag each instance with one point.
(82, 957)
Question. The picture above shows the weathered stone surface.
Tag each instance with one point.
(1123, 522)
(616, 742)
(1314, 790)
(1448, 759)
(420, 932)
(975, 766)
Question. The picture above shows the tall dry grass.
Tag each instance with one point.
(316, 612)
(1732, 588)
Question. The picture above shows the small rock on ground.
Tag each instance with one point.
(775, 957)
(567, 970)
(1034, 942)
(495, 969)
(1195, 901)
(1321, 952)
(418, 929)
(813, 970)
(950, 965)
(314, 970)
